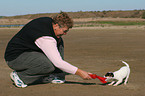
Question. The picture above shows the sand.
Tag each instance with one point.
(97, 50)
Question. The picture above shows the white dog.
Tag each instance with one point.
(119, 75)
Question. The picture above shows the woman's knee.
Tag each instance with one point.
(48, 69)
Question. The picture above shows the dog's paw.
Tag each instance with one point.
(109, 84)
(115, 85)
(124, 83)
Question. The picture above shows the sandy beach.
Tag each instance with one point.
(97, 50)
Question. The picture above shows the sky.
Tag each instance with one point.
(23, 7)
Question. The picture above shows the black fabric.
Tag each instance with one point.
(24, 40)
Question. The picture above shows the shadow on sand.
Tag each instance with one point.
(81, 83)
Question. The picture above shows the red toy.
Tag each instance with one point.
(102, 79)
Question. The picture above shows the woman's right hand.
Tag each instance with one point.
(83, 74)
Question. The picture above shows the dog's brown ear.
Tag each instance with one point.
(110, 74)
(107, 74)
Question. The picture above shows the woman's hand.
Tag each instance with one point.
(83, 74)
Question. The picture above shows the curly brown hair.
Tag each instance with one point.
(62, 19)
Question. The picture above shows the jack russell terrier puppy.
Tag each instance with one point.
(119, 75)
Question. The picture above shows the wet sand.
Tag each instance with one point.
(96, 50)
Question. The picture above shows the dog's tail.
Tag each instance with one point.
(125, 63)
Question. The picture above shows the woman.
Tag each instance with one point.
(35, 53)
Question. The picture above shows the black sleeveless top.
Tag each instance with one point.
(24, 40)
